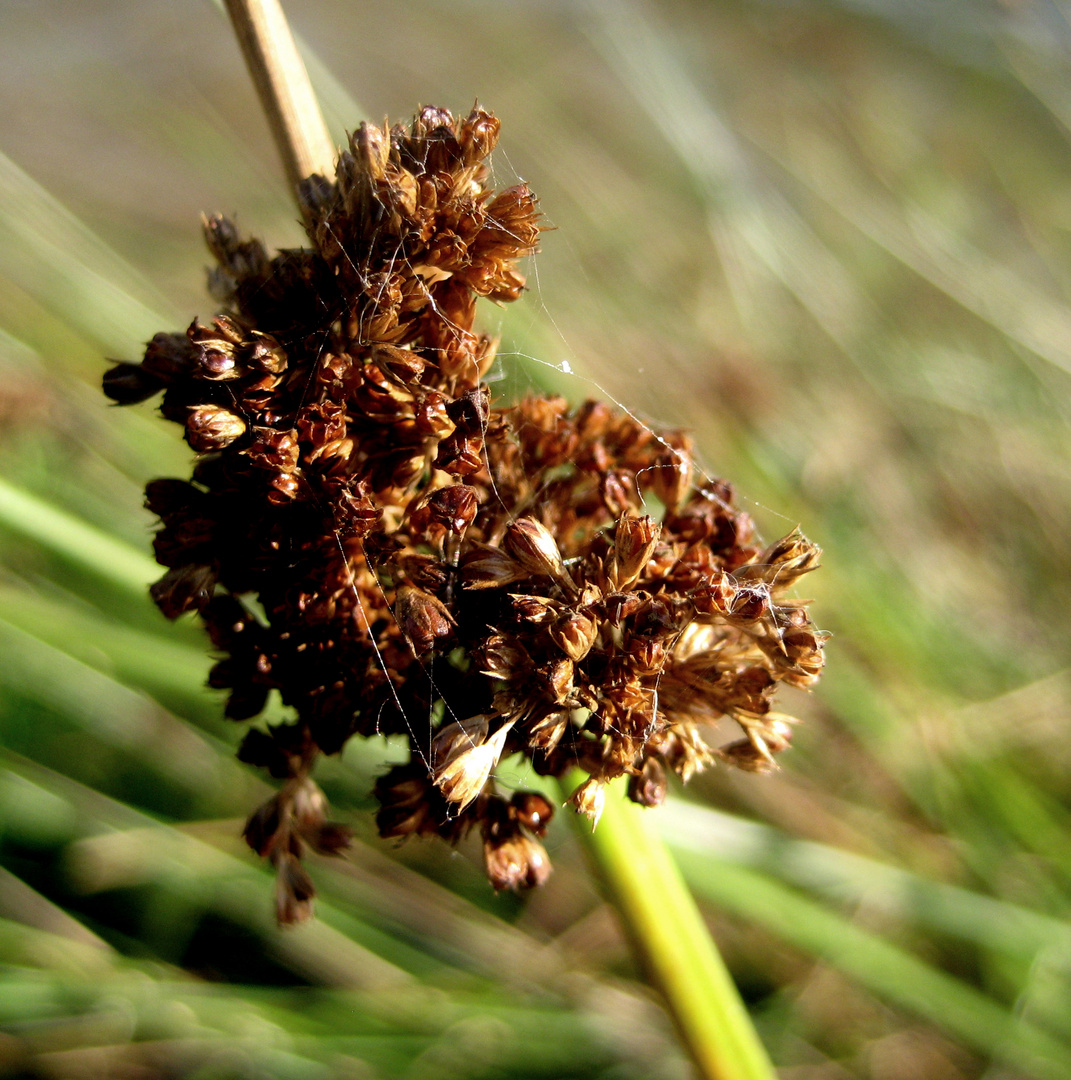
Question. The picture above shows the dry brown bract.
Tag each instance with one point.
(482, 580)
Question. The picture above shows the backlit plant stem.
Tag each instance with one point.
(284, 88)
(671, 941)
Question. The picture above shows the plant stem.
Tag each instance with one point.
(672, 942)
(284, 88)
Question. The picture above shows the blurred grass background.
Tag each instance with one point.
(833, 239)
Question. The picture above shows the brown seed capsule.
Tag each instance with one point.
(533, 810)
(648, 787)
(406, 796)
(574, 635)
(271, 449)
(531, 544)
(750, 603)
(169, 357)
(403, 366)
(500, 656)
(209, 427)
(634, 543)
(214, 349)
(431, 416)
(283, 488)
(559, 676)
(715, 595)
(486, 567)
(671, 477)
(647, 655)
(184, 588)
(782, 563)
(515, 862)
(618, 490)
(453, 507)
(478, 136)
(537, 610)
(545, 734)
(422, 617)
(265, 354)
(460, 455)
(261, 830)
(329, 838)
(745, 755)
(804, 648)
(617, 607)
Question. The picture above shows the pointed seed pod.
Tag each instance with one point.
(463, 756)
(634, 543)
(574, 635)
(589, 799)
(531, 544)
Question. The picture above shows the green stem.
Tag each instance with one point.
(672, 942)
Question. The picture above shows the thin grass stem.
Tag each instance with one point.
(672, 942)
(283, 85)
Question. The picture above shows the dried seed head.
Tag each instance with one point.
(357, 489)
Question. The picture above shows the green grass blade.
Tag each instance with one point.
(61, 533)
(892, 974)
(696, 832)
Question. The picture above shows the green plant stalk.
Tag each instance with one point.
(671, 941)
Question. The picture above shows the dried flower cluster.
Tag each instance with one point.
(480, 579)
